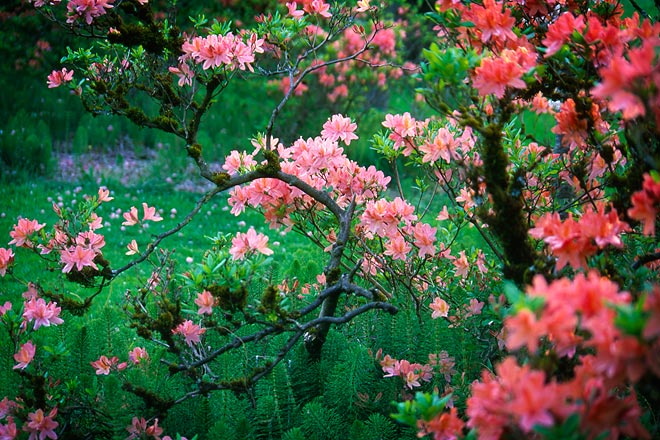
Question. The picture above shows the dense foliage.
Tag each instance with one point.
(498, 279)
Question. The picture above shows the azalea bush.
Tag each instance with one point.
(519, 215)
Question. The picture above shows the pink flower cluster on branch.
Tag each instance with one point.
(214, 51)
(318, 162)
(573, 241)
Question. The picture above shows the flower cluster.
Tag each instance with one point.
(319, 162)
(577, 319)
(215, 51)
(645, 204)
(573, 241)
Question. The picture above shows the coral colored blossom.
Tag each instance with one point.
(493, 21)
(24, 355)
(59, 77)
(646, 203)
(190, 331)
(137, 355)
(23, 230)
(104, 364)
(139, 428)
(496, 73)
(440, 308)
(150, 213)
(205, 301)
(6, 258)
(444, 426)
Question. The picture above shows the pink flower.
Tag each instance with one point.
(496, 73)
(425, 239)
(139, 429)
(440, 308)
(132, 248)
(191, 332)
(362, 6)
(59, 77)
(293, 10)
(524, 330)
(43, 314)
(41, 426)
(77, 256)
(25, 355)
(5, 307)
(494, 21)
(318, 7)
(339, 127)
(150, 213)
(184, 73)
(249, 242)
(205, 301)
(22, 232)
(103, 365)
(462, 265)
(137, 355)
(104, 195)
(87, 9)
(397, 248)
(6, 258)
(645, 204)
(131, 217)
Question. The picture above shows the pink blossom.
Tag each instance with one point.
(25, 355)
(318, 7)
(150, 213)
(293, 10)
(90, 240)
(131, 217)
(77, 256)
(87, 9)
(362, 6)
(59, 77)
(43, 314)
(41, 426)
(23, 230)
(104, 195)
(137, 355)
(5, 308)
(132, 248)
(190, 331)
(139, 429)
(462, 265)
(440, 308)
(104, 364)
(238, 162)
(6, 258)
(397, 248)
(339, 127)
(205, 301)
(249, 242)
(424, 239)
(184, 72)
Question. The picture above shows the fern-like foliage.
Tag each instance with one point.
(320, 422)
